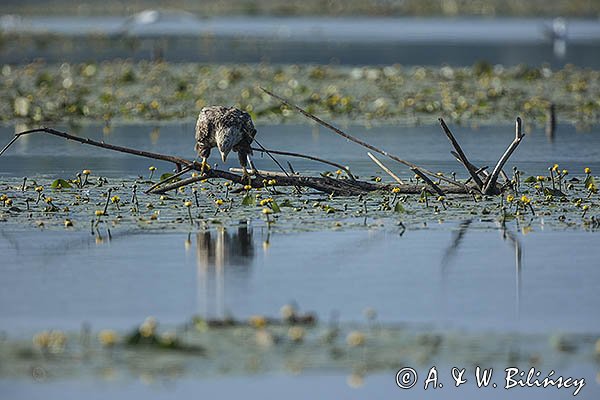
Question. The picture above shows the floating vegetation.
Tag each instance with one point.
(121, 204)
(39, 93)
(293, 342)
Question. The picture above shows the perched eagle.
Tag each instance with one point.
(227, 128)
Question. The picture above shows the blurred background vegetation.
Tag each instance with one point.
(529, 8)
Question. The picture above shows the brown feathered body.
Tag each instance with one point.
(226, 128)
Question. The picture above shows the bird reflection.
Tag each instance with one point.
(215, 251)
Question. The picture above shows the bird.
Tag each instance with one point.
(227, 129)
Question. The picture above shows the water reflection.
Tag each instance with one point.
(516, 244)
(457, 240)
(215, 251)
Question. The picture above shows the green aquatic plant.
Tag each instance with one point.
(60, 184)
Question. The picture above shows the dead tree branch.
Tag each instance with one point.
(428, 181)
(176, 160)
(358, 141)
(490, 184)
(291, 154)
(340, 187)
(386, 169)
(461, 155)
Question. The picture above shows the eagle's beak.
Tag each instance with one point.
(223, 156)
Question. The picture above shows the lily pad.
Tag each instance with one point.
(249, 200)
(61, 184)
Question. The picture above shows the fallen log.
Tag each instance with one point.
(332, 186)
(337, 187)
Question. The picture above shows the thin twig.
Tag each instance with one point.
(14, 139)
(461, 155)
(386, 169)
(428, 181)
(291, 154)
(264, 173)
(480, 170)
(490, 183)
(358, 141)
(168, 179)
(274, 160)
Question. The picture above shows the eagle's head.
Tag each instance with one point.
(227, 137)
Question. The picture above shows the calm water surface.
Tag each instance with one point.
(452, 275)
(572, 148)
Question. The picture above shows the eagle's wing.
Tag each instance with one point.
(248, 131)
(243, 122)
(205, 130)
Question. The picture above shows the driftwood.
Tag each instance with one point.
(335, 186)
(422, 171)
(339, 187)
(489, 186)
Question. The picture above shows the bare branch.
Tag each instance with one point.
(490, 184)
(480, 170)
(291, 154)
(156, 156)
(461, 155)
(169, 179)
(386, 169)
(428, 181)
(339, 187)
(358, 141)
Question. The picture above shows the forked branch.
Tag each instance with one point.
(490, 184)
(360, 142)
(461, 155)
